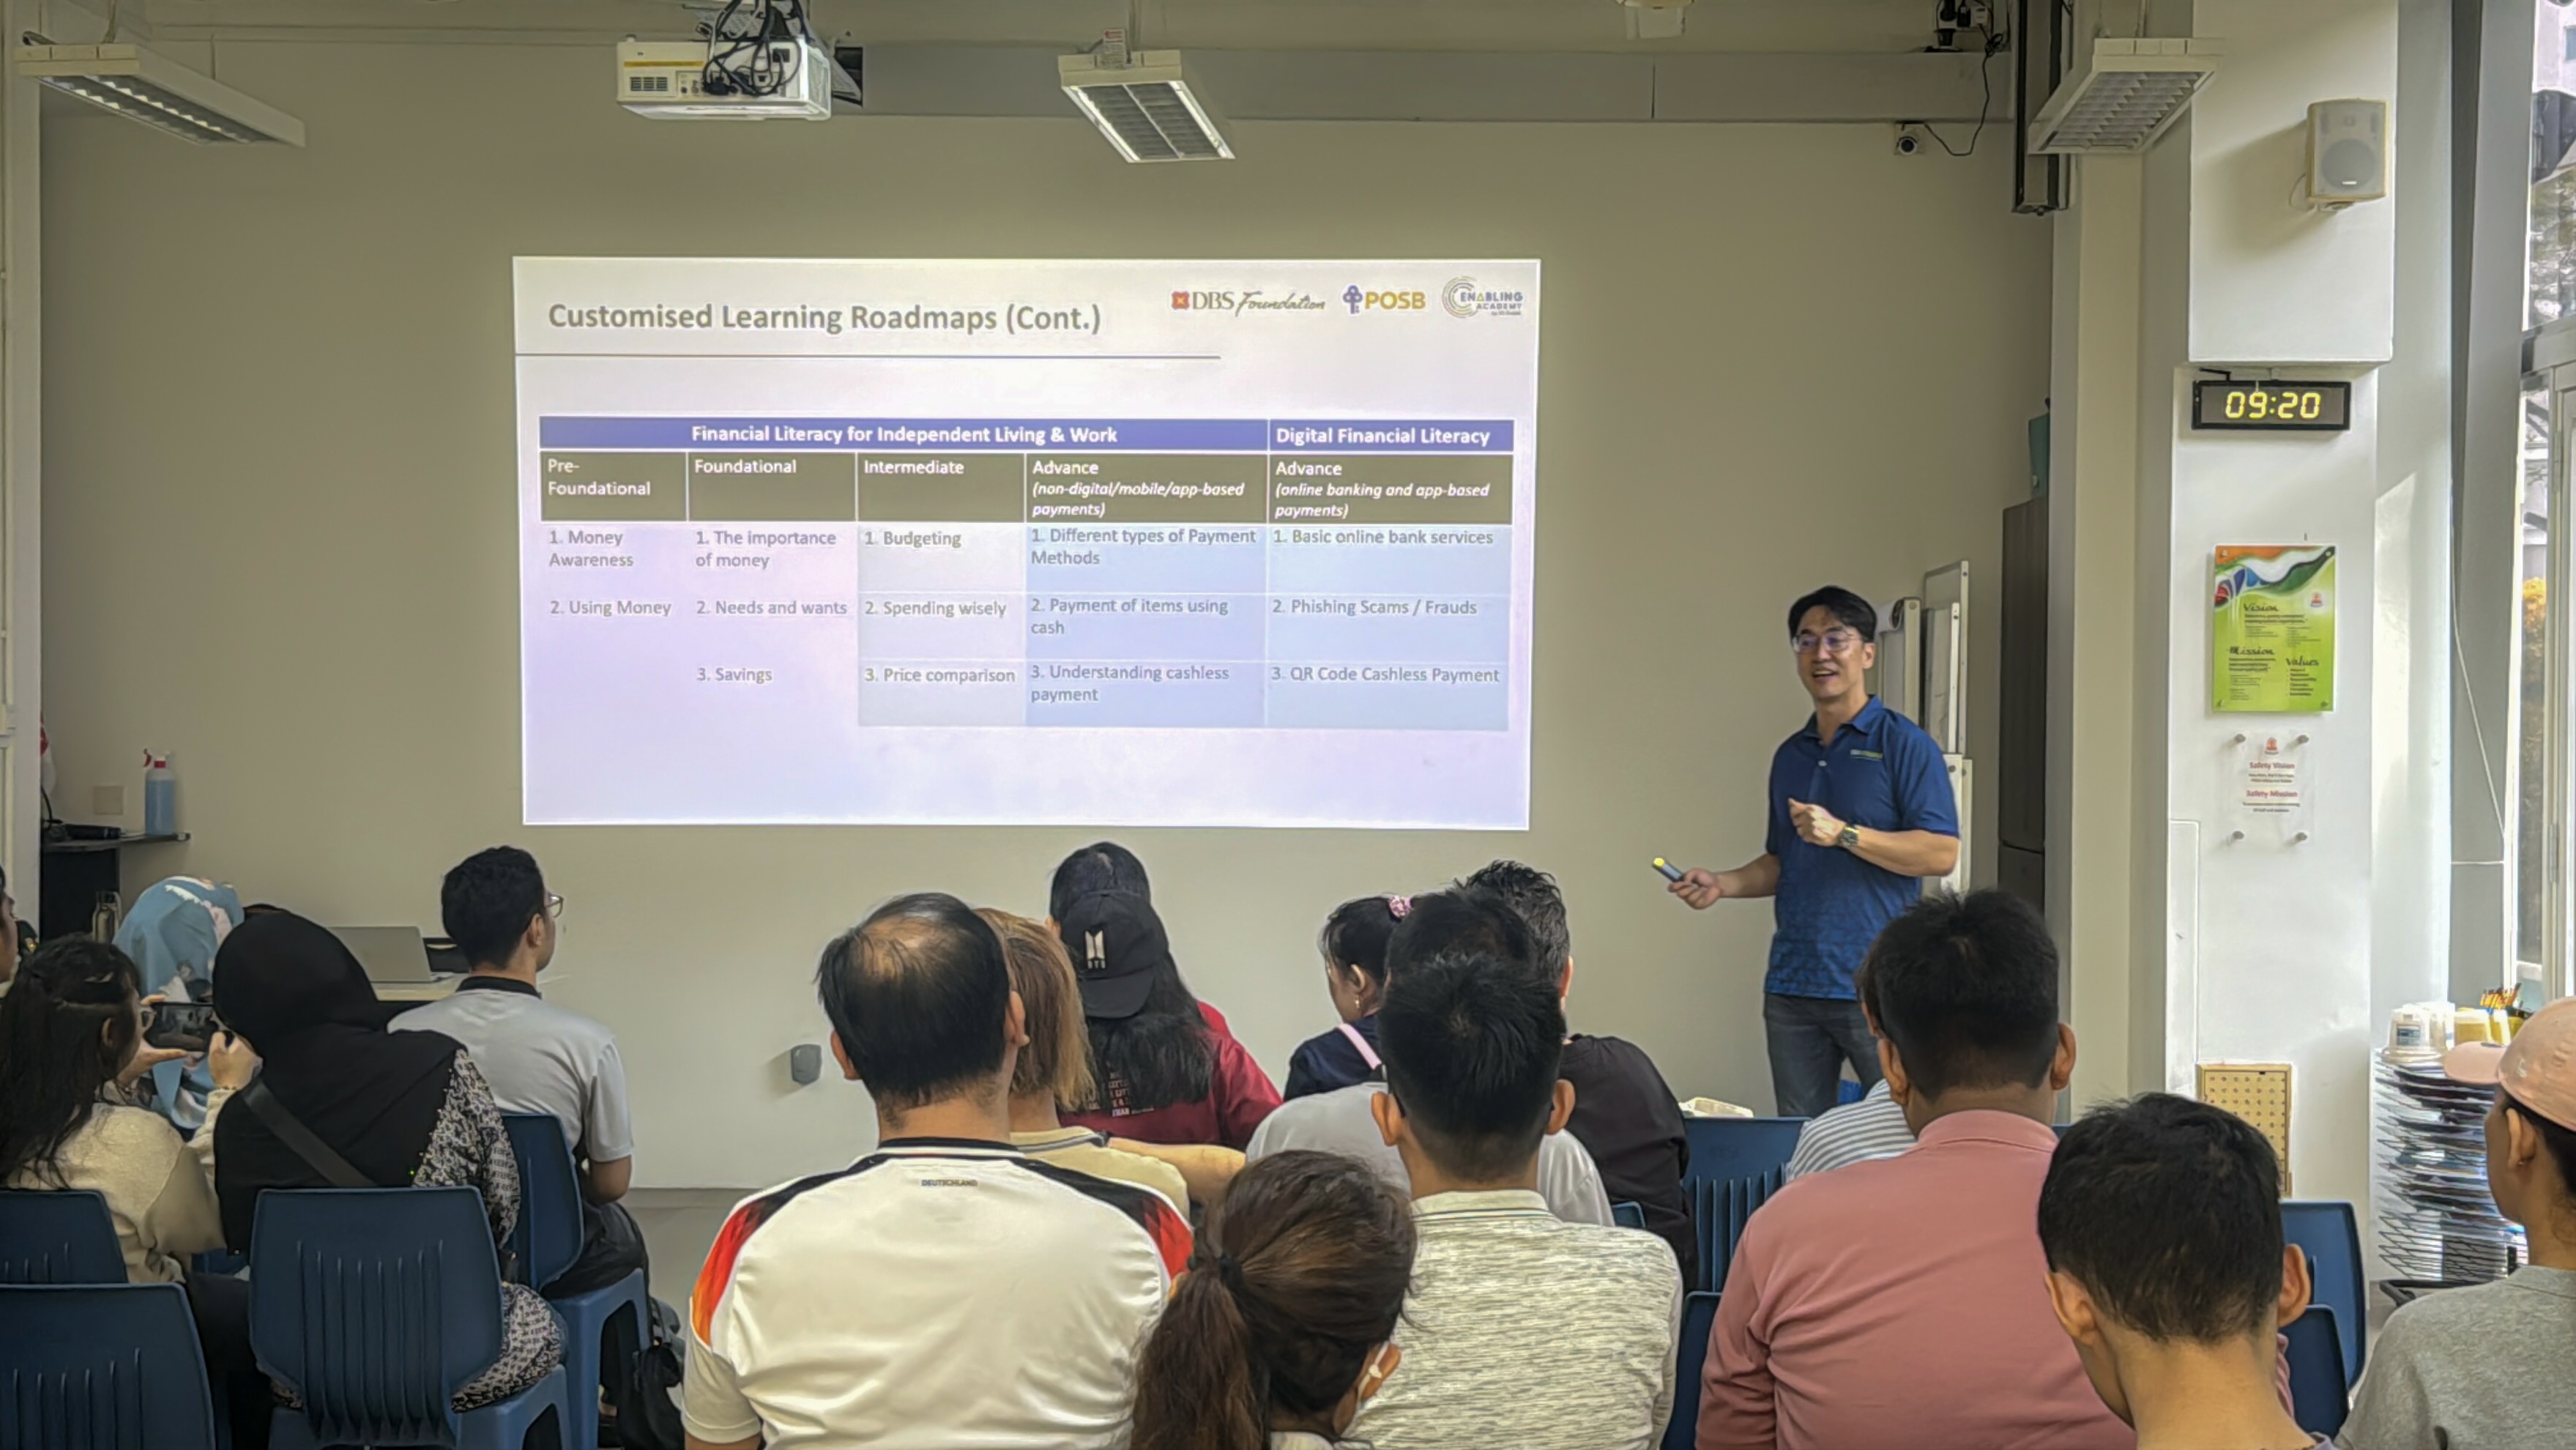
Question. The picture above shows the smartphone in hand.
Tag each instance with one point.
(188, 1026)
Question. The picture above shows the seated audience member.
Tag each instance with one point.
(538, 1057)
(1874, 1127)
(402, 1109)
(1343, 1121)
(2161, 1222)
(1108, 866)
(1353, 945)
(1522, 1330)
(2486, 1367)
(71, 1040)
(1905, 1302)
(1624, 1111)
(1167, 1072)
(1279, 1331)
(1054, 1066)
(947, 1289)
(172, 934)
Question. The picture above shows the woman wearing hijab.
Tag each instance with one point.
(405, 1109)
(172, 934)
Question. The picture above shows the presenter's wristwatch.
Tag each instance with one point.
(1849, 840)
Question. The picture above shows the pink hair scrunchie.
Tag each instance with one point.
(1399, 906)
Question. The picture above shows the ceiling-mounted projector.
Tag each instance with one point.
(1143, 102)
(687, 80)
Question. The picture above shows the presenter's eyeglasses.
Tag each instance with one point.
(554, 906)
(1832, 642)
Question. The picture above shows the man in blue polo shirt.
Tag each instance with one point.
(1861, 812)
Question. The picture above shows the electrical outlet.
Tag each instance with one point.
(107, 800)
(1912, 139)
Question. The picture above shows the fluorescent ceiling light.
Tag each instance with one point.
(1146, 109)
(2135, 90)
(141, 86)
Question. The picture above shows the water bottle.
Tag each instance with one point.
(160, 796)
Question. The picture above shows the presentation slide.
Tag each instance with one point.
(1026, 543)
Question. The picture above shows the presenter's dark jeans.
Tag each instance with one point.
(1810, 1040)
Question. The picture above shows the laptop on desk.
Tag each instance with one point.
(392, 955)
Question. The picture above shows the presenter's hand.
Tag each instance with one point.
(230, 1062)
(1700, 888)
(1816, 825)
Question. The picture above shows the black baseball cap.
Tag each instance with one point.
(1117, 945)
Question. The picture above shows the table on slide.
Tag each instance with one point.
(1203, 573)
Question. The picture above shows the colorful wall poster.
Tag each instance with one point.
(2272, 629)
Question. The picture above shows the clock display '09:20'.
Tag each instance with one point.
(2295, 407)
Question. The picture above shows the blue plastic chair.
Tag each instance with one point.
(2331, 1238)
(101, 1367)
(376, 1305)
(2320, 1396)
(546, 1242)
(58, 1236)
(1628, 1215)
(1724, 1148)
(1699, 1316)
(1719, 1212)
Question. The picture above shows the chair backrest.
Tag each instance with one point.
(1724, 1148)
(1699, 1316)
(1628, 1215)
(58, 1236)
(548, 1236)
(376, 1305)
(1719, 1212)
(2330, 1236)
(2320, 1395)
(101, 1367)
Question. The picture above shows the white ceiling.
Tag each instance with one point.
(1449, 25)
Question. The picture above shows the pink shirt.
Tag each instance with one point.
(1904, 1303)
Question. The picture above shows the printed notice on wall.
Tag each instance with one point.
(2272, 629)
(2273, 788)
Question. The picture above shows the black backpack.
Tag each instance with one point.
(648, 1415)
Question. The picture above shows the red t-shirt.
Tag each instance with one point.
(1239, 1096)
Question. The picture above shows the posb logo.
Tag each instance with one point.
(1203, 302)
(1360, 299)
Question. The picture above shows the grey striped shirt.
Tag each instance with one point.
(1527, 1332)
(1874, 1127)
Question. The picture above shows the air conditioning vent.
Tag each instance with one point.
(1147, 109)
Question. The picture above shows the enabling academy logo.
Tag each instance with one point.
(1463, 298)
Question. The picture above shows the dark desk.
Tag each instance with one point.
(77, 873)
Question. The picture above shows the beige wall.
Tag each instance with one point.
(279, 491)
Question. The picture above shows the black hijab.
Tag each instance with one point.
(306, 1007)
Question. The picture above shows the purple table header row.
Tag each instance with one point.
(1021, 435)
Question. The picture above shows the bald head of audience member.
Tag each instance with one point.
(923, 1015)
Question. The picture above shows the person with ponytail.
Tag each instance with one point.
(2485, 1367)
(71, 1050)
(1353, 945)
(1281, 1328)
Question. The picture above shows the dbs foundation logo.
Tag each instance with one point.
(1360, 299)
(1248, 300)
(1463, 298)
